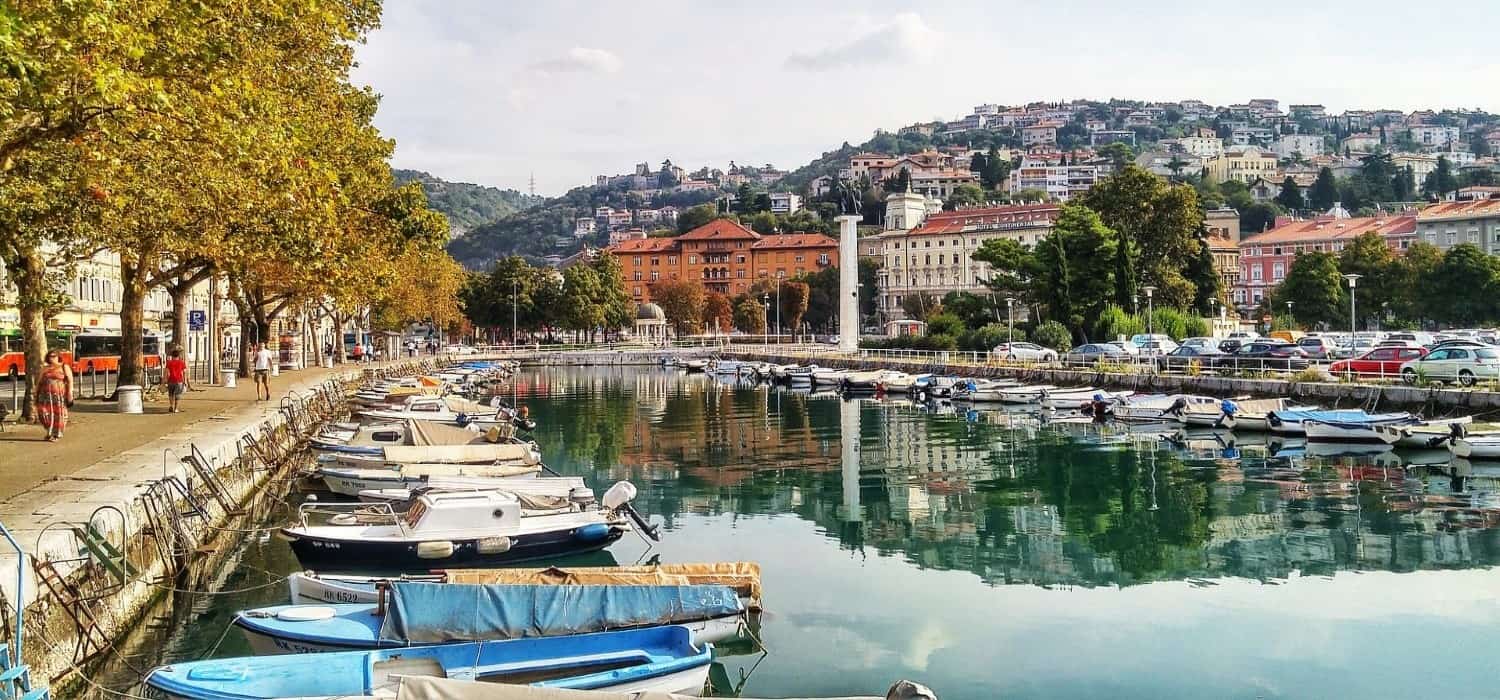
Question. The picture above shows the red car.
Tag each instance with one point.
(1380, 362)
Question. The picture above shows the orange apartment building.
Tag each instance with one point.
(725, 256)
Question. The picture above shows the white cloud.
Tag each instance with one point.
(906, 38)
(580, 60)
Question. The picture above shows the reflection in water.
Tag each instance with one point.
(990, 553)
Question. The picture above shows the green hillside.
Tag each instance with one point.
(466, 205)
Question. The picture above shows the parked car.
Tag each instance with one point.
(1093, 352)
(1458, 343)
(1377, 362)
(1126, 346)
(1356, 348)
(1142, 338)
(1024, 351)
(1265, 354)
(1288, 336)
(1320, 347)
(1231, 344)
(1413, 337)
(1464, 365)
(1153, 348)
(1201, 342)
(1185, 356)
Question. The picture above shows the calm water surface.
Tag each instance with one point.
(990, 555)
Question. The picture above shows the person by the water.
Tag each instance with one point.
(176, 371)
(54, 394)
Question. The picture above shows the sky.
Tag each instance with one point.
(494, 92)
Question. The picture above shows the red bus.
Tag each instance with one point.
(100, 352)
(13, 352)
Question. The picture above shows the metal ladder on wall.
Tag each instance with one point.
(15, 675)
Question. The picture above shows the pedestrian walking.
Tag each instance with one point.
(54, 394)
(358, 353)
(262, 368)
(177, 380)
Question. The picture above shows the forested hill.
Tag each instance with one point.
(547, 227)
(466, 205)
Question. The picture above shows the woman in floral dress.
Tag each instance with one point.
(54, 393)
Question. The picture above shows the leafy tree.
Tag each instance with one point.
(1204, 276)
(1259, 216)
(749, 316)
(1012, 268)
(1410, 297)
(986, 337)
(1441, 180)
(718, 314)
(1313, 284)
(1479, 145)
(1464, 287)
(1324, 192)
(945, 323)
(1404, 187)
(1156, 224)
(794, 296)
(1477, 177)
(581, 291)
(1290, 197)
(696, 216)
(683, 303)
(1371, 258)
(616, 306)
(1114, 322)
(964, 196)
(899, 182)
(973, 309)
(921, 306)
(1119, 154)
(996, 169)
(666, 179)
(1052, 334)
(1378, 172)
(1074, 266)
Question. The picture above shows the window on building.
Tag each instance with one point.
(636, 291)
(655, 276)
(927, 259)
(926, 244)
(637, 275)
(655, 261)
(692, 260)
(638, 261)
(741, 260)
(1278, 271)
(740, 274)
(1255, 273)
(671, 260)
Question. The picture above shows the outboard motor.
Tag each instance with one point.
(1177, 407)
(1227, 409)
(618, 499)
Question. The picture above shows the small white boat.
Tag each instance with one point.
(868, 381)
(982, 390)
(1433, 433)
(350, 481)
(694, 365)
(1030, 393)
(1476, 447)
(798, 374)
(723, 367)
(1256, 418)
(829, 376)
(1163, 406)
(903, 383)
(779, 372)
(1069, 399)
(1332, 425)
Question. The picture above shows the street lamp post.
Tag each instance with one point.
(1150, 310)
(1352, 278)
(765, 309)
(514, 290)
(1289, 314)
(1010, 319)
(779, 276)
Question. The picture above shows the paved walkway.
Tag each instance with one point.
(96, 432)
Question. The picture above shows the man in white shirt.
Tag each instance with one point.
(262, 359)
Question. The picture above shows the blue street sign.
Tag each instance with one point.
(197, 320)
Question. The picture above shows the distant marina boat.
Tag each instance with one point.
(1429, 434)
(1064, 399)
(657, 659)
(1345, 425)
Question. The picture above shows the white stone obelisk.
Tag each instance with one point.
(848, 282)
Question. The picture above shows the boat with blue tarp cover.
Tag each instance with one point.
(1289, 421)
(417, 613)
(655, 659)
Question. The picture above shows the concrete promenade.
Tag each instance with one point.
(106, 461)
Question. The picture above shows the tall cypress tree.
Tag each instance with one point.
(1324, 192)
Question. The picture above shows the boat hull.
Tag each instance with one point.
(265, 644)
(319, 553)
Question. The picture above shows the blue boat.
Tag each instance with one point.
(417, 613)
(1289, 422)
(657, 659)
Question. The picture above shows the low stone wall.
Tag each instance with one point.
(1370, 396)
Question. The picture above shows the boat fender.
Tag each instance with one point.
(439, 549)
(493, 545)
(344, 519)
(593, 532)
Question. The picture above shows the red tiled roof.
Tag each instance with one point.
(718, 229)
(643, 245)
(1325, 229)
(795, 240)
(982, 218)
(1460, 210)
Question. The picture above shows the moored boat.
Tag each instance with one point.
(1476, 447)
(1433, 433)
(657, 659)
(1030, 393)
(1335, 422)
(1070, 398)
(351, 481)
(1163, 406)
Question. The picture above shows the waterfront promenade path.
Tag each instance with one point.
(96, 432)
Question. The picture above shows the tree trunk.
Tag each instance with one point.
(133, 289)
(28, 272)
(179, 293)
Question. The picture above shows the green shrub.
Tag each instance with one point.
(945, 324)
(1053, 335)
(984, 339)
(1196, 327)
(1114, 322)
(1170, 322)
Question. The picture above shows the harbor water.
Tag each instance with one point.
(992, 554)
